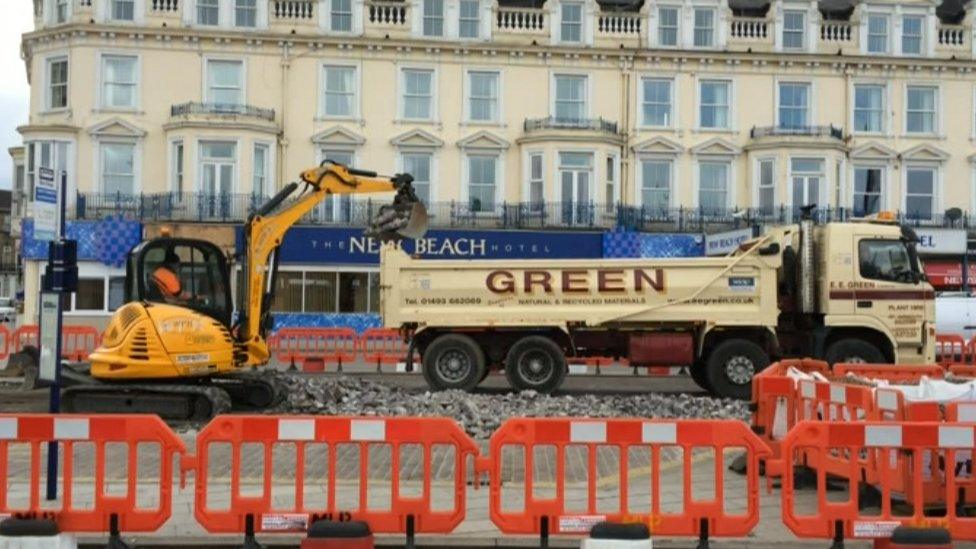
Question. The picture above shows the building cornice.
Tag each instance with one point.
(203, 124)
(29, 129)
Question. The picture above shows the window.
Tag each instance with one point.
(877, 33)
(123, 10)
(45, 154)
(869, 108)
(911, 34)
(326, 292)
(469, 19)
(259, 185)
(116, 292)
(767, 186)
(118, 168)
(807, 176)
(338, 207)
(208, 12)
(341, 16)
(919, 193)
(704, 28)
(61, 11)
(920, 110)
(655, 185)
(885, 260)
(867, 199)
(418, 94)
(667, 29)
(90, 295)
(353, 292)
(657, 102)
(321, 292)
(340, 91)
(794, 105)
(570, 98)
(225, 83)
(481, 183)
(713, 186)
(483, 96)
(218, 162)
(794, 23)
(571, 23)
(419, 166)
(119, 81)
(536, 180)
(288, 292)
(610, 189)
(246, 13)
(714, 104)
(178, 160)
(57, 82)
(433, 17)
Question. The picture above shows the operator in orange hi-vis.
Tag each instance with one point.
(167, 281)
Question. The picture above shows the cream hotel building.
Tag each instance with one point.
(660, 114)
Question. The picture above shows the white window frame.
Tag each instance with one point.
(421, 5)
(177, 172)
(52, 8)
(136, 162)
(433, 188)
(269, 165)
(811, 95)
(922, 38)
(615, 182)
(356, 113)
(803, 30)
(677, 27)
(885, 111)
(582, 22)
(885, 185)
(198, 161)
(206, 76)
(672, 115)
(498, 186)
(671, 160)
(499, 116)
(478, 34)
(89, 270)
(714, 29)
(336, 202)
(587, 90)
(257, 15)
(824, 198)
(101, 83)
(48, 95)
(937, 120)
(757, 185)
(937, 200)
(731, 127)
(528, 179)
(730, 189)
(402, 87)
(220, 14)
(110, 11)
(867, 32)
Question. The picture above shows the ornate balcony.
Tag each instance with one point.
(831, 131)
(554, 123)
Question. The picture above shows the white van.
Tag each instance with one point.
(955, 313)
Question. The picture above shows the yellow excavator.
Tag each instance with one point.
(176, 348)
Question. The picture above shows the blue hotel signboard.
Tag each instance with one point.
(327, 245)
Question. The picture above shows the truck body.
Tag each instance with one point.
(840, 291)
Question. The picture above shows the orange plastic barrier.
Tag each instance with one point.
(910, 458)
(382, 346)
(951, 349)
(77, 342)
(24, 336)
(93, 504)
(891, 372)
(335, 467)
(620, 499)
(315, 348)
(774, 399)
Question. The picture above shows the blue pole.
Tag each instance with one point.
(55, 400)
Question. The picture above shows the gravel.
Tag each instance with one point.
(481, 414)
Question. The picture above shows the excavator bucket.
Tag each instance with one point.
(406, 217)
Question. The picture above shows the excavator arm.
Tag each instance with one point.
(264, 231)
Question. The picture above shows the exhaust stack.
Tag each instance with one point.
(808, 278)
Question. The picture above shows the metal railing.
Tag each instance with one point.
(184, 109)
(556, 123)
(805, 131)
(235, 208)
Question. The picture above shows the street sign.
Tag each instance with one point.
(941, 241)
(723, 243)
(45, 205)
(50, 332)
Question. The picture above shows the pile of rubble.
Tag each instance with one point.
(481, 413)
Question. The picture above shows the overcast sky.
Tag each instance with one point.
(16, 20)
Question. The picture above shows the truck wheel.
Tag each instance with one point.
(453, 361)
(731, 366)
(697, 372)
(535, 363)
(853, 351)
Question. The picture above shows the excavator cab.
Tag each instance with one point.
(180, 271)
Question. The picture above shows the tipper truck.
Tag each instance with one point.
(843, 292)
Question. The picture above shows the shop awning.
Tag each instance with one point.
(947, 273)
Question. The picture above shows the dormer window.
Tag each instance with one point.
(469, 21)
(61, 11)
(123, 10)
(341, 16)
(433, 17)
(571, 27)
(667, 31)
(246, 13)
(704, 27)
(911, 34)
(208, 12)
(877, 33)
(793, 26)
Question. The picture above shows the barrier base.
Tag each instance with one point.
(34, 534)
(905, 537)
(327, 534)
(610, 535)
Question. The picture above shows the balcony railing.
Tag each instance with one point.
(235, 208)
(556, 123)
(803, 131)
(952, 37)
(618, 24)
(293, 10)
(837, 32)
(520, 20)
(749, 28)
(185, 109)
(386, 13)
(164, 6)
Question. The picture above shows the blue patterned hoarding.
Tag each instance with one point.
(107, 240)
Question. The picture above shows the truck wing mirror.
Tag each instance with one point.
(772, 249)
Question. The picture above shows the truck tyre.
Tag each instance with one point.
(453, 361)
(536, 363)
(698, 372)
(852, 350)
(731, 367)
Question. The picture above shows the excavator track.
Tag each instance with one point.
(172, 402)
